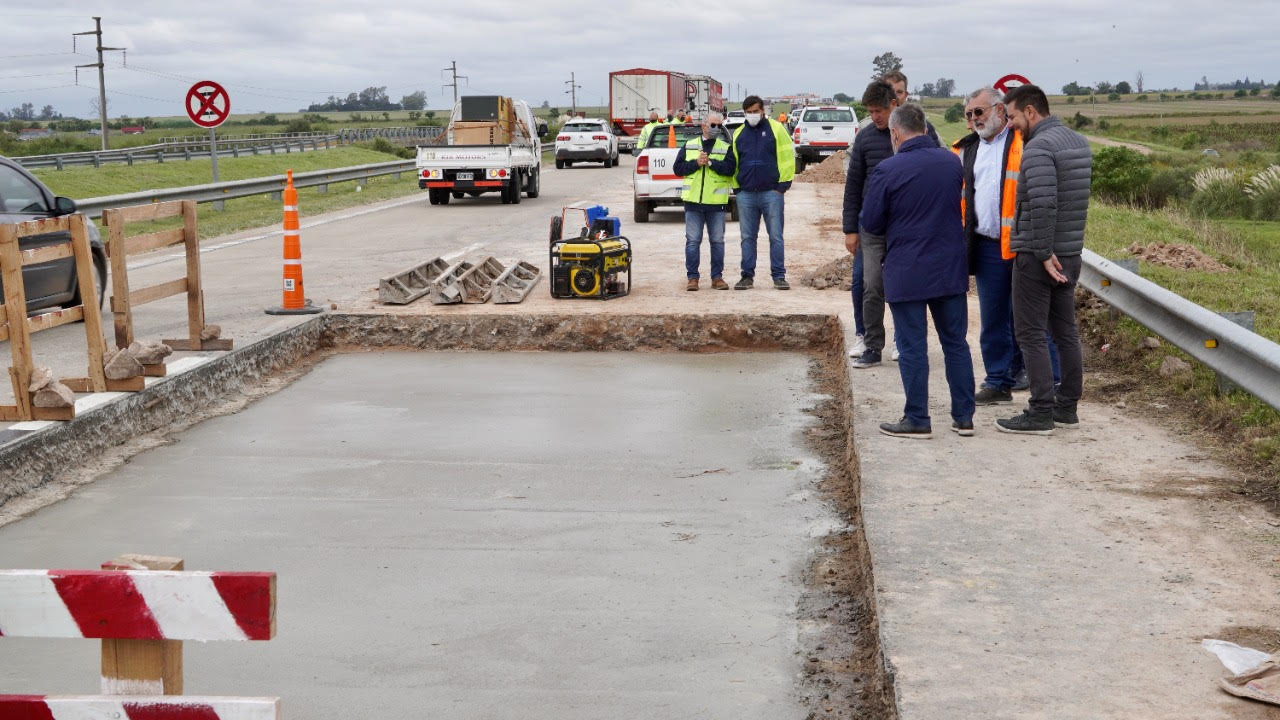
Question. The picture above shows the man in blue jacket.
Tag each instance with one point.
(766, 166)
(913, 199)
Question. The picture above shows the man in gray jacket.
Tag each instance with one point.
(1047, 239)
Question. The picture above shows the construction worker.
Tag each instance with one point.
(647, 130)
(782, 118)
(766, 166)
(707, 166)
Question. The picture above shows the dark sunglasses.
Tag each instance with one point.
(714, 126)
(976, 112)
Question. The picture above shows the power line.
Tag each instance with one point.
(36, 55)
(50, 87)
(15, 77)
(453, 67)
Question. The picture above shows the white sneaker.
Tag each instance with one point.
(859, 347)
(894, 355)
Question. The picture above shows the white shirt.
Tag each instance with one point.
(988, 178)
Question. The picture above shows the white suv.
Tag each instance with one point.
(821, 131)
(586, 139)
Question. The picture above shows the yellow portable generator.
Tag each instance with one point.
(586, 267)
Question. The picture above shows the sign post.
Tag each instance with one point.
(208, 106)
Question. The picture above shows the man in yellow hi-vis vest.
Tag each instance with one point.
(707, 165)
(766, 166)
(643, 140)
(992, 154)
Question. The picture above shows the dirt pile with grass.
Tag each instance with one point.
(829, 171)
(1183, 257)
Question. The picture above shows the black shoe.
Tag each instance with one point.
(1066, 418)
(963, 429)
(1021, 383)
(1027, 424)
(744, 283)
(904, 428)
(867, 359)
(781, 284)
(988, 395)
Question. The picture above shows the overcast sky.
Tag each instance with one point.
(286, 54)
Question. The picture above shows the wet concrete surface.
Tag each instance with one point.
(543, 535)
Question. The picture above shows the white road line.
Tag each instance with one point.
(276, 233)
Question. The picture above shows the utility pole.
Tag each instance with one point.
(453, 68)
(102, 82)
(572, 92)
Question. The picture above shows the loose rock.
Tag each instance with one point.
(54, 395)
(1150, 343)
(121, 365)
(1174, 366)
(41, 378)
(148, 352)
(211, 332)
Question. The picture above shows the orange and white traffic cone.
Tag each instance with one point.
(295, 301)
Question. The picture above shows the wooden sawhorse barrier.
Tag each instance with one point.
(123, 300)
(142, 608)
(17, 328)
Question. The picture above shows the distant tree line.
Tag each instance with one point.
(370, 98)
(27, 111)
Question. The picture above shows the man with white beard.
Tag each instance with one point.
(992, 154)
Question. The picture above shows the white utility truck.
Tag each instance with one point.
(492, 145)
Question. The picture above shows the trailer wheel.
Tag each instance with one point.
(641, 211)
(535, 183)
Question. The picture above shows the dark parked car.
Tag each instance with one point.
(50, 284)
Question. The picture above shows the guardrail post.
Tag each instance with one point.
(97, 160)
(186, 152)
(235, 151)
(58, 162)
(277, 195)
(1245, 320)
(160, 156)
(323, 189)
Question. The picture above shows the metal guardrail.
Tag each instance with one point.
(213, 192)
(427, 132)
(1245, 358)
(185, 150)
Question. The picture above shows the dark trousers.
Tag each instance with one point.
(1000, 353)
(1040, 305)
(910, 334)
(873, 249)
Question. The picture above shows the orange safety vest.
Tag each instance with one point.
(1008, 195)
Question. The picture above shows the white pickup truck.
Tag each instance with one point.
(510, 163)
(653, 180)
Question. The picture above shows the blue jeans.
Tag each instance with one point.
(856, 287)
(910, 326)
(695, 218)
(1001, 356)
(751, 206)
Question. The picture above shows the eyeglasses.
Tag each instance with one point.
(713, 126)
(976, 112)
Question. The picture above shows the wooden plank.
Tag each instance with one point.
(142, 667)
(151, 241)
(138, 604)
(97, 707)
(9, 413)
(138, 213)
(15, 305)
(195, 294)
(53, 319)
(49, 253)
(157, 292)
(66, 413)
(85, 275)
(185, 344)
(85, 385)
(155, 370)
(44, 225)
(122, 314)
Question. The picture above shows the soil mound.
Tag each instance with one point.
(1184, 257)
(830, 171)
(835, 274)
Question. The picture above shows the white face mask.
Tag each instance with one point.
(753, 119)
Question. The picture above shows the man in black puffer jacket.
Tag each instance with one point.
(1047, 239)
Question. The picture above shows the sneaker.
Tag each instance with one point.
(781, 284)
(718, 283)
(963, 429)
(988, 395)
(1066, 418)
(1021, 383)
(692, 286)
(904, 428)
(859, 346)
(870, 358)
(1027, 424)
(744, 283)
(893, 354)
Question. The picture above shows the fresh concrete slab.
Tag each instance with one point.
(585, 535)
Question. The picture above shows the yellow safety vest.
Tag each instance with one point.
(1008, 191)
(706, 186)
(786, 152)
(645, 132)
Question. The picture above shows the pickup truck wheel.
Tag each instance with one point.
(641, 211)
(799, 165)
(535, 184)
(515, 188)
(433, 196)
(444, 197)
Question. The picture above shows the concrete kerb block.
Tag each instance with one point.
(477, 283)
(408, 285)
(516, 282)
(444, 289)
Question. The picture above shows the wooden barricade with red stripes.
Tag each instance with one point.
(124, 300)
(142, 608)
(17, 328)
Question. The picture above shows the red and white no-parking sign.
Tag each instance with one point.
(208, 104)
(1010, 81)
